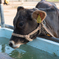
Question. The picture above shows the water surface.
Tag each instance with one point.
(24, 52)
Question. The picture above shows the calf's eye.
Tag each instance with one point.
(21, 24)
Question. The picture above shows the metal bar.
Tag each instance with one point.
(0, 1)
(0, 11)
(2, 15)
(8, 26)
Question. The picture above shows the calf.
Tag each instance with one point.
(30, 23)
(27, 25)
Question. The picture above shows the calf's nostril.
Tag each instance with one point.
(10, 44)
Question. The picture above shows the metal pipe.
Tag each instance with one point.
(8, 26)
(0, 1)
(2, 15)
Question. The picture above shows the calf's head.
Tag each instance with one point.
(25, 22)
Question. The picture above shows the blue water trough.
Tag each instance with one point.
(39, 43)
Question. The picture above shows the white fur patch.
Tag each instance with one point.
(15, 45)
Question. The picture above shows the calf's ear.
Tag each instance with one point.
(39, 15)
(20, 8)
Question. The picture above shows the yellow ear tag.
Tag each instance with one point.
(48, 34)
(38, 19)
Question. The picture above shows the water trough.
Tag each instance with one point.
(39, 43)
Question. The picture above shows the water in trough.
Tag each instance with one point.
(24, 52)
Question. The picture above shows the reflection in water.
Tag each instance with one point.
(24, 52)
(15, 53)
(3, 48)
